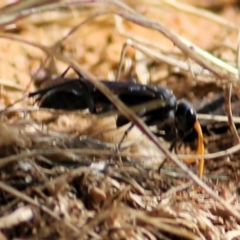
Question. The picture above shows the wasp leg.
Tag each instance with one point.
(172, 146)
(80, 76)
(65, 72)
(125, 135)
(121, 120)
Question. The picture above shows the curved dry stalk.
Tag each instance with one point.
(22, 9)
(228, 95)
(238, 55)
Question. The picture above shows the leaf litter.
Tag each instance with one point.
(61, 174)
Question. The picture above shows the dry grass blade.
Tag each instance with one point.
(21, 9)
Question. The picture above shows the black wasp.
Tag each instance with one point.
(79, 94)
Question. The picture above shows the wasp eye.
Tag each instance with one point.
(185, 116)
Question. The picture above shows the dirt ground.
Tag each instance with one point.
(62, 176)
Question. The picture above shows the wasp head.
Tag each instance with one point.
(185, 117)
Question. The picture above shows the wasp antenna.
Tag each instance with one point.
(65, 72)
(200, 148)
